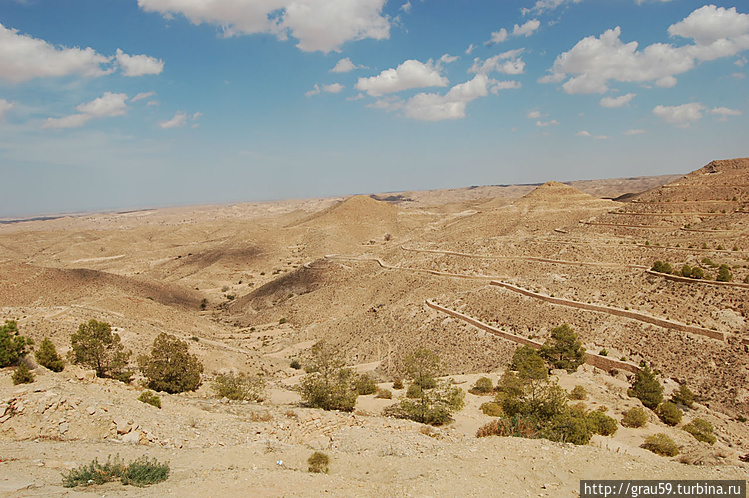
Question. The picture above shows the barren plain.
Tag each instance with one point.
(359, 272)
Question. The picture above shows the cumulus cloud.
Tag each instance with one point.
(332, 88)
(617, 101)
(587, 134)
(406, 7)
(583, 133)
(508, 62)
(680, 115)
(179, 120)
(724, 112)
(593, 62)
(543, 124)
(143, 96)
(323, 25)
(409, 74)
(138, 65)
(526, 29)
(534, 114)
(497, 86)
(542, 6)
(23, 58)
(344, 66)
(5, 106)
(108, 105)
(498, 36)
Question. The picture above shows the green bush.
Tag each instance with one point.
(578, 393)
(702, 430)
(683, 396)
(564, 349)
(295, 364)
(422, 366)
(239, 387)
(329, 385)
(483, 385)
(22, 375)
(600, 423)
(492, 408)
(384, 394)
(669, 413)
(365, 384)
(398, 384)
(47, 356)
(413, 391)
(95, 345)
(568, 427)
(724, 273)
(698, 273)
(521, 355)
(140, 472)
(662, 267)
(686, 271)
(151, 398)
(12, 344)
(646, 388)
(661, 444)
(635, 418)
(433, 406)
(170, 367)
(318, 463)
(516, 426)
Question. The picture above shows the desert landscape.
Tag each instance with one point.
(469, 274)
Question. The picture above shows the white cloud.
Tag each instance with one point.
(410, 74)
(498, 36)
(534, 114)
(542, 6)
(323, 25)
(333, 88)
(543, 124)
(344, 66)
(447, 59)
(724, 112)
(592, 62)
(507, 62)
(470, 49)
(634, 132)
(526, 29)
(179, 120)
(138, 65)
(434, 107)
(497, 86)
(617, 101)
(5, 106)
(23, 58)
(583, 133)
(406, 7)
(681, 115)
(143, 96)
(108, 105)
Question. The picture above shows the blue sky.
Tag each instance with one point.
(139, 103)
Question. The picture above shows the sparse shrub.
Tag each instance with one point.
(564, 349)
(295, 364)
(603, 352)
(492, 408)
(413, 391)
(22, 374)
(635, 418)
(516, 426)
(669, 413)
(698, 273)
(579, 393)
(97, 347)
(170, 367)
(47, 356)
(282, 321)
(398, 384)
(384, 394)
(683, 396)
(318, 463)
(151, 398)
(329, 385)
(521, 355)
(661, 267)
(432, 406)
(141, 472)
(422, 366)
(686, 271)
(702, 430)
(203, 303)
(569, 426)
(746, 279)
(365, 384)
(646, 388)
(600, 423)
(224, 288)
(239, 387)
(661, 444)
(259, 416)
(724, 273)
(12, 344)
(708, 262)
(483, 385)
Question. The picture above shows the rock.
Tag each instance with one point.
(123, 425)
(63, 427)
(131, 437)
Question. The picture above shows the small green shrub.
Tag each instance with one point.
(698, 273)
(398, 384)
(646, 388)
(97, 347)
(239, 387)
(702, 430)
(282, 321)
(47, 356)
(151, 398)
(724, 274)
(683, 396)
(318, 463)
(12, 344)
(569, 426)
(384, 394)
(170, 367)
(686, 271)
(492, 408)
(295, 364)
(516, 426)
(141, 472)
(669, 413)
(22, 375)
(483, 385)
(603, 352)
(578, 393)
(600, 423)
(661, 444)
(635, 418)
(413, 391)
(564, 349)
(365, 384)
